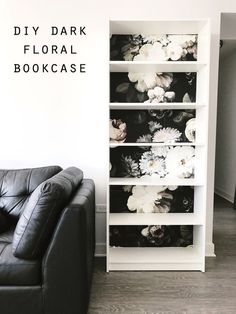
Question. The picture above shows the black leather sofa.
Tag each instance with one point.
(47, 225)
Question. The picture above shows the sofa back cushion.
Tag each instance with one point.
(16, 187)
(39, 218)
(4, 224)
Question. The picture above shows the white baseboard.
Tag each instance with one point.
(224, 195)
(101, 250)
(210, 250)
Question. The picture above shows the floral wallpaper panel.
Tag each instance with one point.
(152, 88)
(151, 236)
(155, 47)
(152, 126)
(153, 161)
(151, 199)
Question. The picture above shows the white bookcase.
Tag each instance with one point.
(191, 257)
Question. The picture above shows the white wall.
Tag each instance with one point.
(225, 179)
(228, 29)
(62, 119)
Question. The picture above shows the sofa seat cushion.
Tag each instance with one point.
(42, 210)
(14, 271)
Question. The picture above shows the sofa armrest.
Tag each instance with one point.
(68, 262)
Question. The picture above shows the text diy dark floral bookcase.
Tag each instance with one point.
(159, 73)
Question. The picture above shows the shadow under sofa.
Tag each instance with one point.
(47, 240)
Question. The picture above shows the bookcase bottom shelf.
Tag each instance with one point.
(165, 258)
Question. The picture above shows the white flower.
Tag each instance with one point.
(151, 93)
(146, 81)
(151, 52)
(190, 130)
(138, 191)
(149, 208)
(164, 80)
(132, 203)
(144, 53)
(117, 131)
(188, 44)
(158, 95)
(148, 199)
(186, 98)
(184, 41)
(153, 126)
(157, 92)
(153, 232)
(163, 39)
(180, 162)
(172, 187)
(144, 138)
(151, 164)
(160, 151)
(174, 52)
(145, 232)
(170, 96)
(165, 135)
(142, 190)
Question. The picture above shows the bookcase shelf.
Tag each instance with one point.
(155, 219)
(165, 258)
(155, 181)
(136, 110)
(145, 66)
(156, 144)
(148, 106)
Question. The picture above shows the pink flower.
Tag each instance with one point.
(118, 131)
